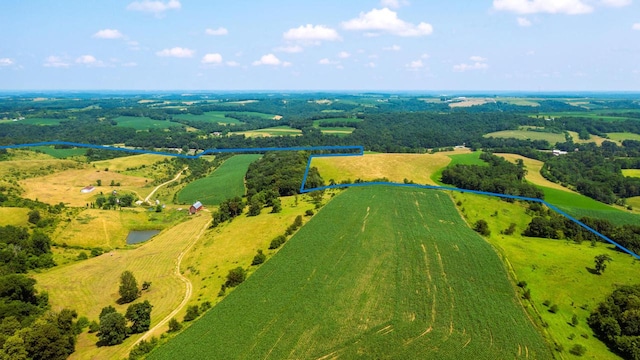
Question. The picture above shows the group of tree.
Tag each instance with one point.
(228, 210)
(113, 201)
(282, 172)
(500, 176)
(21, 251)
(616, 321)
(115, 327)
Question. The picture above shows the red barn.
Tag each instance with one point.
(197, 206)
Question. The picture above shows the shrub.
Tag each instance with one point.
(192, 312)
(553, 309)
(546, 303)
(259, 258)
(235, 277)
(309, 212)
(277, 242)
(205, 306)
(174, 325)
(578, 350)
(83, 256)
(482, 228)
(522, 284)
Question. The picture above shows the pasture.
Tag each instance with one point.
(61, 153)
(339, 131)
(623, 136)
(225, 182)
(123, 163)
(14, 216)
(462, 157)
(552, 138)
(380, 272)
(395, 167)
(28, 168)
(144, 123)
(89, 285)
(65, 186)
(555, 270)
(272, 131)
(210, 116)
(533, 172)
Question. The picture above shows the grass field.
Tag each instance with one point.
(61, 153)
(586, 114)
(555, 270)
(316, 123)
(34, 121)
(380, 272)
(519, 101)
(65, 186)
(210, 116)
(395, 167)
(464, 158)
(88, 286)
(272, 131)
(14, 216)
(225, 182)
(28, 168)
(340, 131)
(127, 162)
(144, 123)
(623, 136)
(533, 172)
(552, 138)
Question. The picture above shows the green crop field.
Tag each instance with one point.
(380, 272)
(225, 182)
(586, 114)
(556, 271)
(210, 116)
(61, 153)
(462, 159)
(143, 123)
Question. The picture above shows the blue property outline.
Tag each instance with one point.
(336, 186)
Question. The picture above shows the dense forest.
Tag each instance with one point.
(281, 172)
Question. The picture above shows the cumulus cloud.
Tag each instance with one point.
(155, 7)
(217, 32)
(343, 55)
(214, 58)
(326, 61)
(477, 58)
(616, 3)
(370, 64)
(414, 65)
(290, 49)
(56, 61)
(108, 34)
(176, 52)
(232, 63)
(635, 26)
(311, 33)
(87, 60)
(387, 20)
(392, 48)
(524, 22)
(425, 56)
(570, 7)
(272, 60)
(394, 4)
(6, 62)
(467, 67)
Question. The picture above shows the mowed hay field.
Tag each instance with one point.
(88, 286)
(127, 162)
(225, 182)
(395, 167)
(379, 272)
(14, 216)
(65, 186)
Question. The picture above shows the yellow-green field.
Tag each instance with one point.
(528, 135)
(395, 167)
(273, 131)
(14, 216)
(555, 270)
(623, 136)
(533, 171)
(23, 169)
(123, 163)
(88, 286)
(65, 186)
(631, 172)
(634, 202)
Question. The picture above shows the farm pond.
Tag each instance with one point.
(138, 236)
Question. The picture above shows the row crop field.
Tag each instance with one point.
(225, 182)
(379, 272)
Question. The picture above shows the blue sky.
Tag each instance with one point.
(414, 45)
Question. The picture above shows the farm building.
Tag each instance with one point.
(87, 189)
(197, 206)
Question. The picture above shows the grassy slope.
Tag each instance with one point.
(143, 123)
(623, 136)
(14, 216)
(61, 153)
(379, 272)
(462, 159)
(225, 182)
(555, 270)
(531, 135)
(88, 286)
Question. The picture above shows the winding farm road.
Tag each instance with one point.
(188, 290)
(165, 183)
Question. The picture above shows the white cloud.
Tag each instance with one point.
(6, 62)
(176, 52)
(217, 32)
(156, 7)
(570, 7)
(370, 64)
(108, 34)
(386, 20)
(232, 63)
(425, 56)
(87, 60)
(467, 67)
(414, 65)
(394, 4)
(524, 22)
(477, 58)
(55, 61)
(635, 26)
(343, 55)
(616, 3)
(130, 64)
(311, 33)
(290, 49)
(326, 61)
(212, 59)
(392, 48)
(272, 60)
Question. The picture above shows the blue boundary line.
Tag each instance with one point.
(303, 190)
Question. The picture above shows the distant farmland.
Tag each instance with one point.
(380, 272)
(225, 182)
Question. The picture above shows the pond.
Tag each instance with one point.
(138, 236)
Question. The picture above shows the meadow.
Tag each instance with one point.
(623, 136)
(464, 158)
(210, 116)
(61, 153)
(272, 131)
(225, 182)
(14, 216)
(144, 123)
(89, 285)
(380, 272)
(556, 271)
(552, 138)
